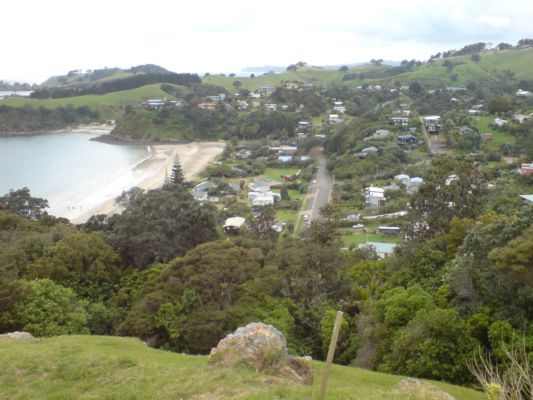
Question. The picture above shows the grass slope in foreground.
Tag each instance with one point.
(98, 367)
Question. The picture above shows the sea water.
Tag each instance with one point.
(69, 170)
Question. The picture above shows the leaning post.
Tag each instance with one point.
(331, 353)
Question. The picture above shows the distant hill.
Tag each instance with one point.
(78, 78)
(98, 367)
(492, 66)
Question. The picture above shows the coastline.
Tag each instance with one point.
(194, 158)
(94, 128)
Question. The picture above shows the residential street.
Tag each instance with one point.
(319, 191)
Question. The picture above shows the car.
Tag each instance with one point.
(306, 217)
(314, 180)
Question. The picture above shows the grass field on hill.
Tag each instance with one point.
(108, 104)
(98, 367)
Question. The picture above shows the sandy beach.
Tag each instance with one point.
(194, 157)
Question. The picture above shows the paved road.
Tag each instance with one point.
(319, 191)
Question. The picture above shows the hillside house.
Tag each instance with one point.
(407, 139)
(155, 104)
(207, 106)
(500, 123)
(271, 107)
(243, 154)
(371, 149)
(379, 134)
(233, 225)
(523, 93)
(217, 98)
(339, 107)
(284, 159)
(375, 196)
(432, 124)
(304, 126)
(526, 168)
(399, 121)
(521, 118)
(403, 178)
(465, 130)
(334, 119)
(413, 184)
(242, 105)
(266, 90)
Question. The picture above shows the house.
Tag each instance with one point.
(201, 191)
(255, 95)
(260, 185)
(242, 105)
(284, 107)
(371, 149)
(155, 104)
(292, 85)
(234, 187)
(389, 230)
(284, 149)
(263, 200)
(465, 130)
(526, 168)
(334, 119)
(413, 184)
(379, 134)
(207, 106)
(432, 124)
(301, 135)
(304, 126)
(399, 121)
(243, 154)
(392, 187)
(523, 93)
(382, 250)
(403, 178)
(285, 159)
(217, 98)
(374, 196)
(233, 225)
(305, 158)
(500, 123)
(266, 90)
(353, 217)
(475, 112)
(454, 89)
(339, 107)
(520, 118)
(271, 107)
(407, 139)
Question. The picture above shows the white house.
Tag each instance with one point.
(414, 184)
(233, 224)
(339, 107)
(375, 196)
(500, 123)
(403, 178)
(523, 93)
(399, 121)
(334, 118)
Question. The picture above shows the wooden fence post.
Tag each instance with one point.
(331, 353)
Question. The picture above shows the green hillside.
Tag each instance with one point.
(99, 367)
(110, 105)
(491, 66)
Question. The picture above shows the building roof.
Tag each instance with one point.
(235, 221)
(371, 149)
(527, 197)
(387, 248)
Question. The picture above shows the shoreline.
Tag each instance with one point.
(194, 158)
(113, 139)
(94, 128)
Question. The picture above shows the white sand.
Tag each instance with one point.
(194, 157)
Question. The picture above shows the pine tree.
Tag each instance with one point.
(176, 175)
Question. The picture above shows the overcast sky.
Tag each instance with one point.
(42, 38)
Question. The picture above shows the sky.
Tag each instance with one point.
(44, 38)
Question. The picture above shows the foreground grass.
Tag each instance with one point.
(98, 367)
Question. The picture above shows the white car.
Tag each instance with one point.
(306, 217)
(314, 180)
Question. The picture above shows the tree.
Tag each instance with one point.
(237, 84)
(176, 175)
(48, 309)
(21, 202)
(498, 104)
(476, 57)
(160, 225)
(343, 68)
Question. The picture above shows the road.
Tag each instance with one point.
(319, 191)
(435, 147)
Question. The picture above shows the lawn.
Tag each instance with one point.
(361, 238)
(288, 216)
(99, 367)
(277, 174)
(498, 137)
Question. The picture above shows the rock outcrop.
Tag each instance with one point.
(18, 336)
(423, 390)
(263, 348)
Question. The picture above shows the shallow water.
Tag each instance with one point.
(72, 172)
